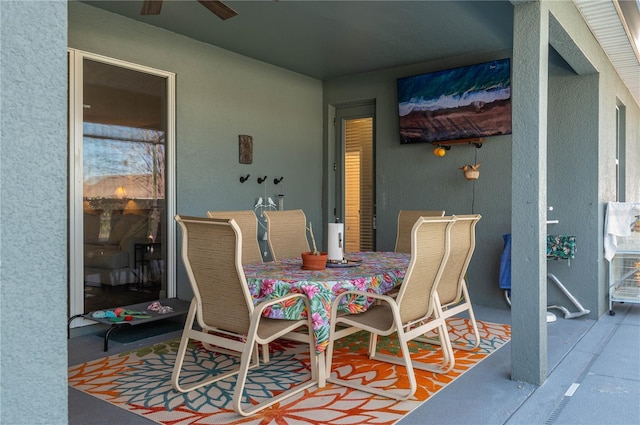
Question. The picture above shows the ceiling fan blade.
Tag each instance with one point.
(223, 11)
(151, 7)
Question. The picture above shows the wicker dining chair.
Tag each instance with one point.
(452, 290)
(248, 224)
(406, 220)
(286, 233)
(414, 312)
(223, 308)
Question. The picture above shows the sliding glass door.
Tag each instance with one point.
(121, 131)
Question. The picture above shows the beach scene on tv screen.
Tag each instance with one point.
(460, 103)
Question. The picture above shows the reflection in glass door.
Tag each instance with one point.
(124, 145)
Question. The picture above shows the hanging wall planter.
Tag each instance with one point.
(471, 171)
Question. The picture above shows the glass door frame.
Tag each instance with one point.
(75, 126)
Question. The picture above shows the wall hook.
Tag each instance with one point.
(244, 179)
(277, 180)
(260, 179)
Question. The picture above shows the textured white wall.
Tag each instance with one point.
(33, 212)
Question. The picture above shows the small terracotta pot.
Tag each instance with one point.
(314, 262)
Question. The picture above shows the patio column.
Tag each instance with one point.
(33, 212)
(529, 197)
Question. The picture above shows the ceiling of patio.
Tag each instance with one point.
(327, 39)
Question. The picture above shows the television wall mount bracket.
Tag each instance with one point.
(446, 144)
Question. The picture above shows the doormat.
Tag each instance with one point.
(140, 381)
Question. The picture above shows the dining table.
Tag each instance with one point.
(371, 271)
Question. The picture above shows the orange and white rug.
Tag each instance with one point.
(140, 381)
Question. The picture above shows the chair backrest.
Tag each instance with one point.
(248, 224)
(212, 252)
(406, 220)
(286, 233)
(429, 251)
(463, 242)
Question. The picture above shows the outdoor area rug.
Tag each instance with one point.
(140, 381)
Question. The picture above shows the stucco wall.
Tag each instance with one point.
(34, 154)
(250, 90)
(221, 95)
(33, 213)
(411, 177)
(610, 92)
(580, 167)
(572, 181)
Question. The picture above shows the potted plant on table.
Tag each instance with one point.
(314, 260)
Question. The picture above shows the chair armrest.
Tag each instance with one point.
(375, 295)
(383, 297)
(291, 326)
(267, 303)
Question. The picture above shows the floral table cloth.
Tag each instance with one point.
(377, 272)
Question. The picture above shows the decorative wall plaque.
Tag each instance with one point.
(246, 149)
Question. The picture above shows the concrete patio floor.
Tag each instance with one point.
(594, 378)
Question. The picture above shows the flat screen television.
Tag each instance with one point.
(460, 103)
